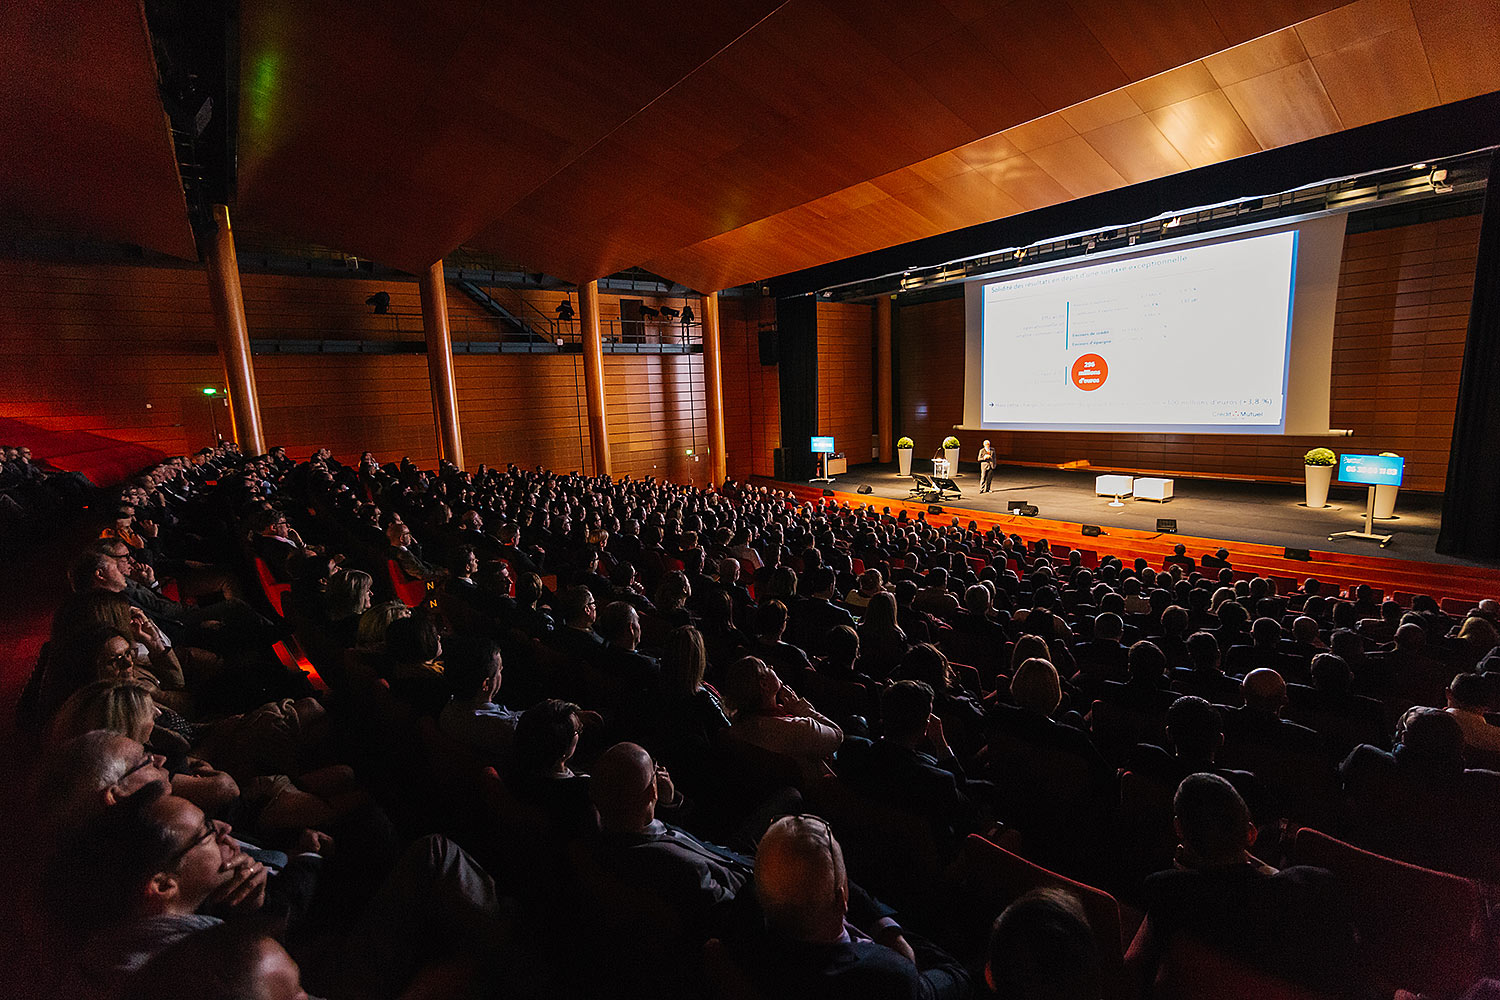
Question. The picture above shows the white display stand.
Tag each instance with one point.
(940, 468)
(1159, 490)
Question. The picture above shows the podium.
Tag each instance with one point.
(1373, 471)
(940, 468)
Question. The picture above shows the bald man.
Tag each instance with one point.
(691, 877)
(1258, 724)
(822, 937)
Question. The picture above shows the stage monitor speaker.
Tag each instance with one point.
(1025, 510)
(1092, 531)
(1011, 505)
(768, 347)
(828, 493)
(865, 490)
(934, 509)
(1166, 525)
(1302, 555)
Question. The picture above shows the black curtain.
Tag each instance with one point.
(1471, 502)
(797, 358)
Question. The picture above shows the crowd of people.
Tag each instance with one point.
(382, 731)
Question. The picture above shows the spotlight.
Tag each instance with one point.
(381, 301)
(669, 312)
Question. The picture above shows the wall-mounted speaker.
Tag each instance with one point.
(1302, 555)
(1166, 525)
(1092, 531)
(865, 490)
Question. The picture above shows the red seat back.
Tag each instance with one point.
(1191, 970)
(1420, 930)
(411, 592)
(274, 589)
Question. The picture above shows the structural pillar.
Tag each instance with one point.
(234, 335)
(883, 416)
(440, 364)
(593, 375)
(713, 389)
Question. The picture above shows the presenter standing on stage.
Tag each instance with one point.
(986, 467)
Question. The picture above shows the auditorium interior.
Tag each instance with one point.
(437, 439)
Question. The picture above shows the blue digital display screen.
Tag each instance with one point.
(822, 446)
(1371, 470)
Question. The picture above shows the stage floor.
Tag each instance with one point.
(1262, 513)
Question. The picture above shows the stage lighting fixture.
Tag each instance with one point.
(865, 490)
(934, 509)
(1166, 525)
(381, 301)
(1092, 531)
(828, 493)
(670, 313)
(1301, 555)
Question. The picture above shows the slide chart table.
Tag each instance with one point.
(1372, 471)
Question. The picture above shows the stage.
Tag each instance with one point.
(1265, 514)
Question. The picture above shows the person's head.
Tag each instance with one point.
(1035, 686)
(472, 667)
(465, 561)
(673, 591)
(81, 777)
(1212, 821)
(750, 686)
(225, 962)
(1108, 627)
(1479, 632)
(904, 709)
(1305, 630)
(925, 662)
(272, 523)
(800, 880)
(821, 581)
(619, 625)
(1331, 674)
(1042, 948)
(150, 854)
(623, 788)
(348, 594)
(683, 661)
(871, 582)
(1174, 621)
(770, 620)
(1264, 690)
(97, 570)
(1431, 739)
(1266, 632)
(374, 623)
(1147, 663)
(578, 607)
(1194, 728)
(398, 534)
(1233, 616)
(120, 706)
(880, 614)
(1470, 692)
(412, 640)
(546, 737)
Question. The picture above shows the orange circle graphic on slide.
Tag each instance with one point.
(1089, 372)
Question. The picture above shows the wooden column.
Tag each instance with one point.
(883, 419)
(593, 375)
(713, 389)
(234, 335)
(440, 364)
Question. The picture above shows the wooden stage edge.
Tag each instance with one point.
(1391, 576)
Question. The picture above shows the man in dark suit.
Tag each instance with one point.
(904, 776)
(820, 936)
(986, 467)
(1179, 557)
(1264, 652)
(1259, 724)
(814, 616)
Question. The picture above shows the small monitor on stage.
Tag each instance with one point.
(822, 446)
(1166, 525)
(1371, 470)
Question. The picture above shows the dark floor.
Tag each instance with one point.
(1262, 513)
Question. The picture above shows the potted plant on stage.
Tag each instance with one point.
(1317, 466)
(903, 455)
(950, 452)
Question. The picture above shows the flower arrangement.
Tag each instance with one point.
(1319, 456)
(905, 442)
(950, 442)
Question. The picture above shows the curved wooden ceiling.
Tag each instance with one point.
(711, 143)
(84, 144)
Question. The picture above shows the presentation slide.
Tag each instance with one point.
(1190, 339)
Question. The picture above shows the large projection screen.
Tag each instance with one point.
(1227, 335)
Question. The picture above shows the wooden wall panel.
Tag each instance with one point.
(752, 391)
(117, 351)
(526, 409)
(846, 383)
(1399, 330)
(657, 414)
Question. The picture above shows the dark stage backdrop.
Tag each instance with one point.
(797, 350)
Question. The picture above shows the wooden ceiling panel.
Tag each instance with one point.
(1136, 149)
(1076, 165)
(1143, 43)
(84, 143)
(1463, 48)
(1051, 51)
(1024, 180)
(974, 85)
(1353, 23)
(1379, 78)
(1241, 21)
(1284, 106)
(1263, 55)
(1205, 129)
(1041, 132)
(1106, 109)
(1172, 86)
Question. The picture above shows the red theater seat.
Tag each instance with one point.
(274, 589)
(411, 592)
